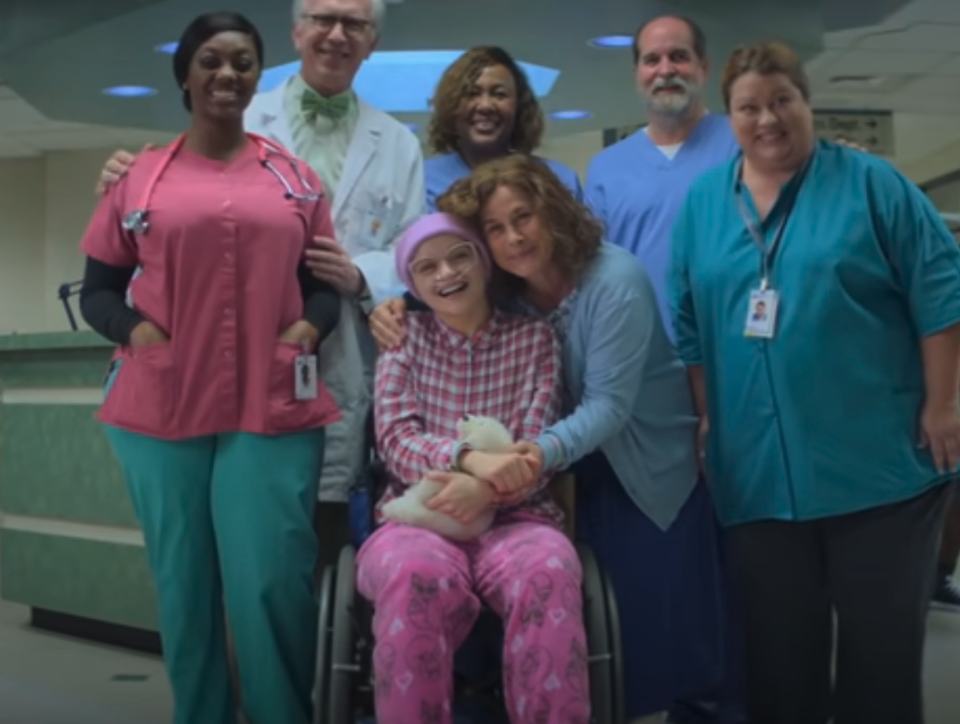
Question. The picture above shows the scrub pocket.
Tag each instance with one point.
(112, 371)
(376, 212)
(141, 390)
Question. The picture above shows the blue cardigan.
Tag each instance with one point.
(629, 388)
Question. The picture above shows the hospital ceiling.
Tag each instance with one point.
(59, 55)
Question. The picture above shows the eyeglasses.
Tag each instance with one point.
(460, 259)
(351, 26)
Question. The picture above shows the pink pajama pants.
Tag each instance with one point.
(427, 592)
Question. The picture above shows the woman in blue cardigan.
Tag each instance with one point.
(629, 429)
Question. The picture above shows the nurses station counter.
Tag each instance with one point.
(70, 545)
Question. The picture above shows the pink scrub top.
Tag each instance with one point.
(219, 277)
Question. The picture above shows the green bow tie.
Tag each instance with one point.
(332, 107)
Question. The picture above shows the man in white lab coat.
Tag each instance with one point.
(372, 167)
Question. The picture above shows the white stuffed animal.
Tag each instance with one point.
(481, 433)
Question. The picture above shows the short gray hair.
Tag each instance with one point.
(379, 12)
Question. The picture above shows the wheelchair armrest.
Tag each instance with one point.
(364, 494)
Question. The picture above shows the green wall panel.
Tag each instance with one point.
(67, 368)
(104, 581)
(60, 359)
(52, 341)
(55, 462)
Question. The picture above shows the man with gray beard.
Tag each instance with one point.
(635, 187)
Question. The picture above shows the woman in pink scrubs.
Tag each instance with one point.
(213, 406)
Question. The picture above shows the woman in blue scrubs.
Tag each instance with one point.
(484, 108)
(814, 406)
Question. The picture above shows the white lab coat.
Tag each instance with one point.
(381, 192)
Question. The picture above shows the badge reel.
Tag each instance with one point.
(306, 377)
(762, 313)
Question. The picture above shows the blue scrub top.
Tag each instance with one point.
(821, 420)
(442, 171)
(636, 191)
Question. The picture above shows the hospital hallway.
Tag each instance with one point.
(51, 679)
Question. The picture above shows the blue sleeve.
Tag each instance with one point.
(577, 188)
(594, 196)
(569, 178)
(681, 289)
(618, 343)
(434, 186)
(920, 247)
(431, 201)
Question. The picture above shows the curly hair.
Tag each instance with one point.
(576, 233)
(457, 82)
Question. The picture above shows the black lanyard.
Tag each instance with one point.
(756, 230)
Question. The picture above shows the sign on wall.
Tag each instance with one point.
(871, 129)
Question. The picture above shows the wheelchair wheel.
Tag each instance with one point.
(616, 650)
(321, 688)
(600, 654)
(344, 665)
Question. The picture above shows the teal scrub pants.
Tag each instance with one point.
(228, 525)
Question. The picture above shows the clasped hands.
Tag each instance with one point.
(503, 479)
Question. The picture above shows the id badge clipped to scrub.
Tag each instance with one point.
(762, 313)
(306, 377)
(375, 221)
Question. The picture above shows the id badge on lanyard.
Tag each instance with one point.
(764, 303)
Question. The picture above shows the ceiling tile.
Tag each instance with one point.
(876, 86)
(17, 114)
(937, 11)
(925, 37)
(951, 67)
(875, 62)
(821, 64)
(843, 39)
(933, 86)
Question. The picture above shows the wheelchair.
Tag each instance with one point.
(344, 689)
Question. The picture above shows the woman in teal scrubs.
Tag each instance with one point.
(831, 418)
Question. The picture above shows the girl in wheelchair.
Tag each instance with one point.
(463, 357)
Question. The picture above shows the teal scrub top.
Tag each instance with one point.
(822, 419)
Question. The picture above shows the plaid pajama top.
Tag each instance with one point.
(509, 370)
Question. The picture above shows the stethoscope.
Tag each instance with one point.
(137, 221)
